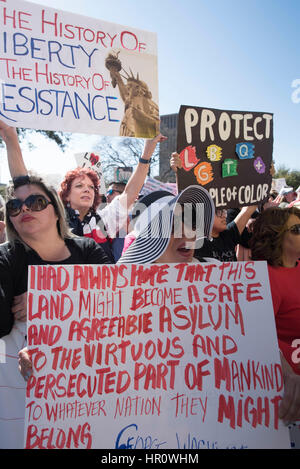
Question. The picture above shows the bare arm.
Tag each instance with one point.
(138, 177)
(243, 217)
(175, 162)
(14, 155)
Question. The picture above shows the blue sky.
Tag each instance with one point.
(224, 54)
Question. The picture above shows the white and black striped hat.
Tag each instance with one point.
(154, 226)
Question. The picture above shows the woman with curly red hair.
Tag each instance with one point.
(80, 195)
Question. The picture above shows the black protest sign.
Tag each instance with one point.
(229, 153)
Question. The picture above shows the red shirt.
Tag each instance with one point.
(285, 289)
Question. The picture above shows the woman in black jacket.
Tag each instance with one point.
(37, 234)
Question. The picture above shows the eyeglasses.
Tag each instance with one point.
(295, 229)
(221, 212)
(35, 202)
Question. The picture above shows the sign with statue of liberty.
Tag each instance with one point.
(62, 71)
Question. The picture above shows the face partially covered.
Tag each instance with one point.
(181, 246)
(32, 223)
(82, 193)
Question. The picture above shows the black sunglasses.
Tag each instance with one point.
(35, 202)
(295, 229)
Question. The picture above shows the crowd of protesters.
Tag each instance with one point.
(40, 226)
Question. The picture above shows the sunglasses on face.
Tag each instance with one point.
(35, 203)
(295, 229)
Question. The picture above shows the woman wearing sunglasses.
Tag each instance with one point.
(37, 234)
(276, 239)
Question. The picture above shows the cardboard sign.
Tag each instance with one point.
(93, 161)
(278, 184)
(153, 357)
(62, 71)
(227, 152)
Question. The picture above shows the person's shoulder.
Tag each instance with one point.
(8, 249)
(286, 274)
(230, 232)
(81, 242)
(5, 248)
(87, 250)
(11, 253)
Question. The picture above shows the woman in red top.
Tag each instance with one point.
(276, 239)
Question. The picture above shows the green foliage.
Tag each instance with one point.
(2, 191)
(293, 179)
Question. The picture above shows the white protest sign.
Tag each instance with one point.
(278, 184)
(153, 356)
(93, 161)
(62, 71)
(12, 388)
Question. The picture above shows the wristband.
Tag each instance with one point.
(143, 161)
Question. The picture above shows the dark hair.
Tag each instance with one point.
(268, 233)
(273, 194)
(31, 179)
(80, 172)
(120, 184)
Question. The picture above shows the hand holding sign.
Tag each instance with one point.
(7, 132)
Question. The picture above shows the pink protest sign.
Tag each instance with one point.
(62, 71)
(153, 356)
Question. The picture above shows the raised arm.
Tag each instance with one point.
(137, 179)
(14, 155)
(243, 217)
